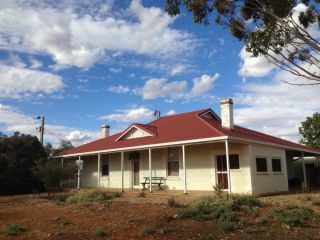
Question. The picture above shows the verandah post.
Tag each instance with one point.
(228, 165)
(122, 176)
(184, 169)
(150, 171)
(99, 164)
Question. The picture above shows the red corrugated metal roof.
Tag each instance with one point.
(181, 127)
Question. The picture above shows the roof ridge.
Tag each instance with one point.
(178, 114)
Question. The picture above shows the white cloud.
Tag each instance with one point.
(76, 36)
(177, 69)
(276, 108)
(203, 85)
(34, 63)
(171, 112)
(18, 82)
(12, 120)
(160, 87)
(129, 115)
(221, 41)
(119, 89)
(157, 87)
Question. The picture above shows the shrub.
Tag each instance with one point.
(13, 229)
(316, 202)
(149, 230)
(94, 196)
(293, 216)
(262, 220)
(99, 232)
(60, 197)
(228, 226)
(172, 202)
(218, 188)
(245, 200)
(307, 198)
(168, 229)
(116, 194)
(142, 194)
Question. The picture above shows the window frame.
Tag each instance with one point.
(173, 160)
(105, 158)
(276, 158)
(267, 168)
(223, 156)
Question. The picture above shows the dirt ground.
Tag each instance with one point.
(127, 217)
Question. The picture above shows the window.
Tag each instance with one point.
(261, 164)
(234, 161)
(173, 161)
(276, 165)
(105, 165)
(222, 162)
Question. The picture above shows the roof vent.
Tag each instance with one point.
(226, 106)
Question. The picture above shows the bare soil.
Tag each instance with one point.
(127, 217)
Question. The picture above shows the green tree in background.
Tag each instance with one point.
(310, 131)
(268, 28)
(18, 155)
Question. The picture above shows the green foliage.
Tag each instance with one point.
(266, 27)
(18, 155)
(53, 174)
(94, 196)
(60, 197)
(293, 216)
(316, 202)
(168, 229)
(245, 200)
(64, 145)
(99, 232)
(307, 198)
(172, 202)
(141, 194)
(228, 226)
(310, 131)
(13, 229)
(149, 230)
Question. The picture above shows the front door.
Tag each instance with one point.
(136, 169)
(222, 173)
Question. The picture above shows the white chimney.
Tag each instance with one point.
(105, 131)
(227, 113)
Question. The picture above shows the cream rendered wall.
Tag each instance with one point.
(200, 168)
(268, 182)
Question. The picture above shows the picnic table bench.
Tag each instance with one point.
(159, 181)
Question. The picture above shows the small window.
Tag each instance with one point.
(173, 162)
(276, 165)
(261, 164)
(105, 166)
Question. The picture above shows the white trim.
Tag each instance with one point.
(228, 165)
(144, 147)
(150, 171)
(128, 130)
(184, 169)
(99, 171)
(270, 144)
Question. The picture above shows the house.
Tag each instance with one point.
(193, 151)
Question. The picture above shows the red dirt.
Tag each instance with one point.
(45, 219)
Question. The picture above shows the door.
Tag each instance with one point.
(136, 169)
(222, 173)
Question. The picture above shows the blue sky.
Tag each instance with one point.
(87, 63)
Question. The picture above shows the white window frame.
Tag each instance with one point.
(168, 160)
(280, 165)
(255, 163)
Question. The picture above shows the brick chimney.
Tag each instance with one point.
(226, 106)
(105, 131)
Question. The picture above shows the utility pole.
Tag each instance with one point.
(41, 128)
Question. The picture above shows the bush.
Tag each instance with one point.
(245, 200)
(228, 226)
(307, 198)
(172, 202)
(13, 229)
(60, 197)
(293, 216)
(88, 197)
(99, 232)
(149, 230)
(116, 194)
(316, 202)
(142, 194)
(168, 229)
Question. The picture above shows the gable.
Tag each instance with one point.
(134, 132)
(210, 115)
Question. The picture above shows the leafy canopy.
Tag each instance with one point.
(310, 131)
(268, 28)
